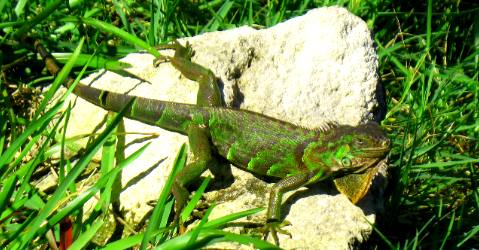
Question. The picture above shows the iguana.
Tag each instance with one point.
(254, 142)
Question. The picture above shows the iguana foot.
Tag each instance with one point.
(185, 52)
(275, 227)
(161, 59)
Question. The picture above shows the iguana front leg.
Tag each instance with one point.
(209, 94)
(274, 223)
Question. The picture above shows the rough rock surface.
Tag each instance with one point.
(310, 69)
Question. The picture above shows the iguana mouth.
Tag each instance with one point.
(377, 152)
(366, 164)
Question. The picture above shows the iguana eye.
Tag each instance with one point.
(359, 141)
(346, 162)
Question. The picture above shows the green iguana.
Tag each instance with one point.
(252, 141)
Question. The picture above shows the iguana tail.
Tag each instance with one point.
(168, 115)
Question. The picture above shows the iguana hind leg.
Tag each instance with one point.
(201, 159)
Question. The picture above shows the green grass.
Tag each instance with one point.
(428, 64)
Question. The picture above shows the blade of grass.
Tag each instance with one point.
(61, 169)
(168, 209)
(3, 124)
(383, 237)
(393, 58)
(428, 26)
(106, 165)
(275, 15)
(20, 7)
(59, 79)
(106, 27)
(2, 5)
(445, 164)
(194, 200)
(7, 190)
(35, 202)
(158, 210)
(125, 243)
(9, 114)
(131, 241)
(219, 222)
(93, 61)
(219, 17)
(181, 242)
(86, 236)
(469, 235)
(246, 240)
(210, 236)
(449, 229)
(196, 231)
(119, 10)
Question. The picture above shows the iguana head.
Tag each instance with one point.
(349, 154)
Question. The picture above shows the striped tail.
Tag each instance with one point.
(168, 115)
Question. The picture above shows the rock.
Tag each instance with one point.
(308, 70)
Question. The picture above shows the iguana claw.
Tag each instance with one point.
(275, 227)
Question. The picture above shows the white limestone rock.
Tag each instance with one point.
(310, 69)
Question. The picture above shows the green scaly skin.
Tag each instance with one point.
(252, 141)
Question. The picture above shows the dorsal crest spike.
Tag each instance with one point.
(325, 126)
